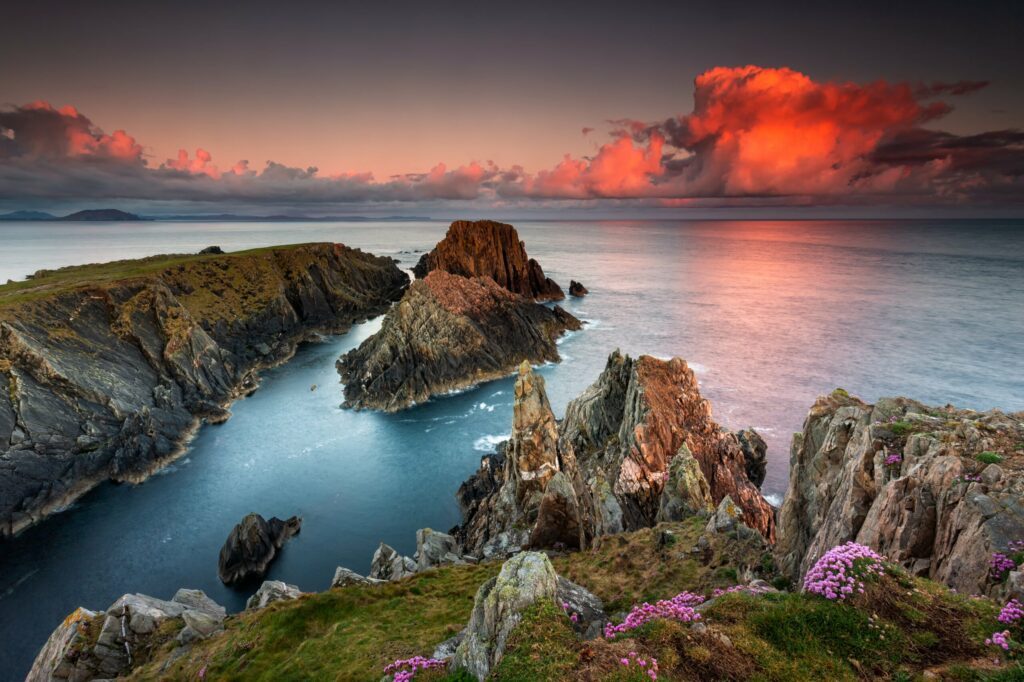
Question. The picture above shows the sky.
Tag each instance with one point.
(413, 107)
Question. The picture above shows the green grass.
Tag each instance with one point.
(989, 457)
(542, 647)
(902, 428)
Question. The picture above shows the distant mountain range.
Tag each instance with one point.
(105, 214)
(108, 214)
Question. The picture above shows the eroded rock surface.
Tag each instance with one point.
(388, 564)
(935, 508)
(102, 375)
(272, 591)
(638, 446)
(485, 248)
(252, 544)
(447, 333)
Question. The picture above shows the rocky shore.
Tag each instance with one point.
(105, 370)
(472, 317)
(637, 447)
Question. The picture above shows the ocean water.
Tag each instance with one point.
(769, 314)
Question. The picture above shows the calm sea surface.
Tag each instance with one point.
(769, 314)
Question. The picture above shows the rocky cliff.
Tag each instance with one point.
(105, 369)
(638, 446)
(937, 490)
(447, 333)
(485, 248)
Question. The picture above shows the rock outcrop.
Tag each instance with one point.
(252, 544)
(524, 580)
(577, 289)
(272, 591)
(106, 369)
(637, 447)
(434, 548)
(447, 333)
(916, 483)
(90, 645)
(486, 248)
(388, 564)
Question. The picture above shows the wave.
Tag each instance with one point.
(489, 442)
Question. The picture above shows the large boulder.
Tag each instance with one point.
(687, 491)
(905, 479)
(344, 577)
(485, 248)
(252, 545)
(434, 548)
(585, 610)
(447, 333)
(388, 564)
(524, 580)
(272, 591)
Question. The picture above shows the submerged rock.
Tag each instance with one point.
(252, 545)
(524, 580)
(489, 249)
(448, 333)
(906, 480)
(577, 289)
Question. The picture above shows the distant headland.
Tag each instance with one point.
(106, 214)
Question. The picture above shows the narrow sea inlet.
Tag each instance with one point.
(769, 315)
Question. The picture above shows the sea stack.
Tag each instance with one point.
(252, 545)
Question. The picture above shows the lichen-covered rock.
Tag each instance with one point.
(434, 548)
(252, 544)
(104, 378)
(447, 333)
(387, 564)
(932, 508)
(686, 492)
(271, 591)
(726, 517)
(52, 661)
(485, 248)
(524, 580)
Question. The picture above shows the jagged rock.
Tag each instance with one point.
(52, 661)
(435, 549)
(199, 625)
(388, 564)
(344, 577)
(726, 518)
(755, 455)
(524, 580)
(533, 447)
(638, 445)
(687, 491)
(102, 379)
(920, 512)
(489, 249)
(271, 591)
(196, 600)
(577, 289)
(589, 609)
(252, 545)
(558, 516)
(447, 333)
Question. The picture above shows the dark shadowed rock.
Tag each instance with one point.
(489, 249)
(577, 289)
(558, 516)
(215, 250)
(448, 333)
(755, 454)
(252, 545)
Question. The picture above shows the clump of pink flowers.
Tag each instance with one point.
(893, 459)
(1011, 615)
(405, 669)
(679, 608)
(1000, 639)
(573, 616)
(1000, 565)
(842, 571)
(648, 666)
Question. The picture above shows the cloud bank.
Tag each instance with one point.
(754, 134)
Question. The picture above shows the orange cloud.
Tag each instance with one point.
(38, 130)
(620, 169)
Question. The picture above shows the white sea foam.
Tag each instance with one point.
(489, 442)
(773, 499)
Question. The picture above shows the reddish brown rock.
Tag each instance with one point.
(485, 248)
(577, 289)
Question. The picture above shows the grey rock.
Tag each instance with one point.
(726, 518)
(447, 648)
(252, 544)
(387, 564)
(272, 591)
(344, 577)
(434, 548)
(589, 609)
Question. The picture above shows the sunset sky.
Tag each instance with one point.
(437, 107)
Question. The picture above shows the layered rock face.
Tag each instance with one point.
(637, 447)
(447, 333)
(485, 248)
(252, 544)
(104, 370)
(940, 506)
